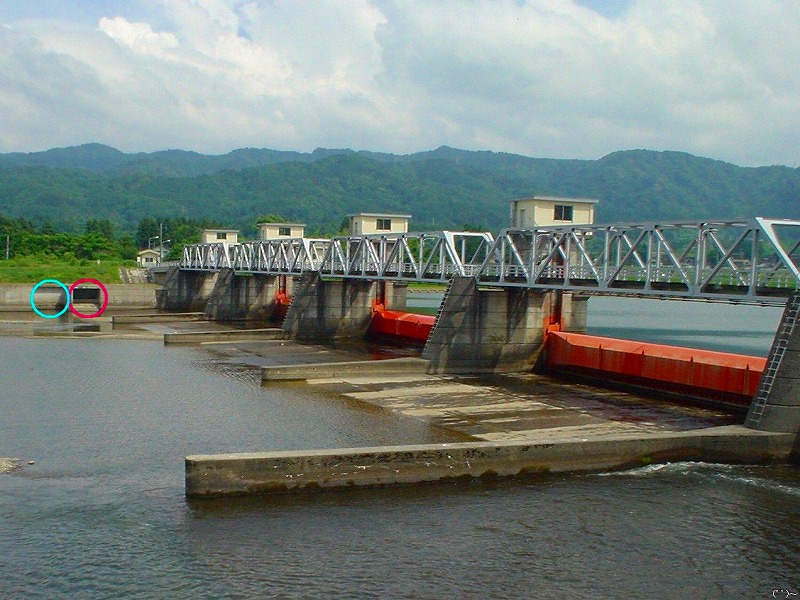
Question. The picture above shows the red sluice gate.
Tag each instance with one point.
(402, 324)
(718, 376)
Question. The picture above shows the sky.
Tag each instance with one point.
(544, 78)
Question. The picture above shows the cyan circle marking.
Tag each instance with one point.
(33, 303)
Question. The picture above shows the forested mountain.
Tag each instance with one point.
(443, 188)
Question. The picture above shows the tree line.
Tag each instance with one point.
(99, 238)
(442, 190)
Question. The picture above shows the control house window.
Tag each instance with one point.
(222, 236)
(383, 224)
(563, 212)
(284, 231)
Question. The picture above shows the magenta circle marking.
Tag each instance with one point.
(102, 308)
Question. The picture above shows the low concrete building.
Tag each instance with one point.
(369, 223)
(547, 211)
(147, 258)
(276, 231)
(214, 236)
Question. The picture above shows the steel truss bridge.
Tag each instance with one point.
(755, 260)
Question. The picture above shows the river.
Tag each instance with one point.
(101, 513)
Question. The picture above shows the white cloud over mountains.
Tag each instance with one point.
(542, 78)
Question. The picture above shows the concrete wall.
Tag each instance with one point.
(481, 330)
(324, 310)
(238, 297)
(270, 472)
(132, 294)
(16, 296)
(185, 291)
(782, 408)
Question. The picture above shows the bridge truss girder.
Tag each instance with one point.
(754, 260)
(289, 256)
(427, 256)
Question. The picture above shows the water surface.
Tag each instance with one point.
(102, 512)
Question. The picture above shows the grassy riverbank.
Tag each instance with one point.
(32, 269)
(427, 287)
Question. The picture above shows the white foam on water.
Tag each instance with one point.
(684, 467)
(718, 471)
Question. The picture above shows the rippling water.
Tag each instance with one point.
(102, 513)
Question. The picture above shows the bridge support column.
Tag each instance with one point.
(185, 290)
(242, 297)
(776, 406)
(485, 330)
(324, 310)
(574, 312)
(392, 294)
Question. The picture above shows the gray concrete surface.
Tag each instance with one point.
(272, 472)
(199, 337)
(344, 369)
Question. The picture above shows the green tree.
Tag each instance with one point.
(271, 218)
(126, 247)
(101, 227)
(148, 228)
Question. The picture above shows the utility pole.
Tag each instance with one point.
(8, 245)
(160, 242)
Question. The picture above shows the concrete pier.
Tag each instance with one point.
(243, 297)
(485, 330)
(273, 472)
(776, 406)
(324, 310)
(185, 291)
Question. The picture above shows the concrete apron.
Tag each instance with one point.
(275, 472)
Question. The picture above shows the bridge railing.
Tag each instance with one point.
(759, 258)
(418, 256)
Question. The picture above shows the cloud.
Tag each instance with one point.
(542, 77)
(139, 37)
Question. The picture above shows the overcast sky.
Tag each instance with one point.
(544, 78)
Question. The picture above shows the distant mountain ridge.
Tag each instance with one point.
(442, 188)
(99, 158)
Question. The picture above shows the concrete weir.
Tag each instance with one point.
(156, 318)
(216, 336)
(275, 472)
(391, 366)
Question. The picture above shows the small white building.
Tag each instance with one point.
(369, 223)
(147, 258)
(214, 236)
(547, 211)
(276, 231)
